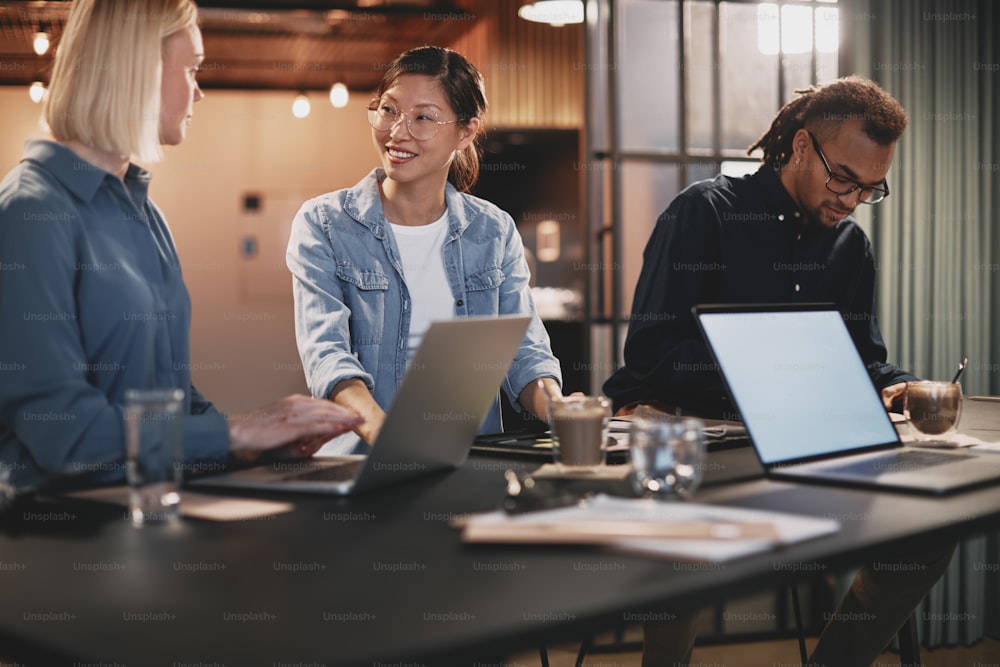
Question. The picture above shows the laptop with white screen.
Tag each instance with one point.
(437, 411)
(810, 408)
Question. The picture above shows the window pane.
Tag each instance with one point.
(827, 30)
(647, 190)
(648, 75)
(827, 68)
(749, 77)
(700, 170)
(699, 65)
(797, 46)
(827, 43)
(798, 74)
(796, 29)
(739, 167)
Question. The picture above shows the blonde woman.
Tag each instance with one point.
(97, 304)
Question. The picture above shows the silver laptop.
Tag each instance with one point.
(810, 408)
(449, 387)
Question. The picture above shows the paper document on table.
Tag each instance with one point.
(713, 429)
(198, 505)
(953, 441)
(679, 530)
(983, 447)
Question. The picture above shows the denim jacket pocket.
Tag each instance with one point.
(364, 294)
(487, 279)
(482, 292)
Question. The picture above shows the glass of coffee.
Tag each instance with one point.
(579, 429)
(932, 409)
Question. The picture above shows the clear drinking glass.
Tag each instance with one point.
(154, 453)
(667, 455)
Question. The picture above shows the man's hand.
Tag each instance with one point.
(892, 393)
(297, 424)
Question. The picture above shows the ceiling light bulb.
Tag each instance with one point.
(301, 106)
(339, 95)
(36, 91)
(41, 43)
(554, 12)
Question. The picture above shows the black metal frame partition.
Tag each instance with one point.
(605, 157)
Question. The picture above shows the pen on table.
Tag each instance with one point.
(533, 440)
(523, 495)
(507, 441)
(961, 369)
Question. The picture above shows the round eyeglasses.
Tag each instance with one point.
(842, 185)
(423, 124)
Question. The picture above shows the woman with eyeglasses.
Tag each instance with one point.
(376, 263)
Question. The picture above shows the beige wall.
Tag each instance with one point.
(243, 343)
(533, 71)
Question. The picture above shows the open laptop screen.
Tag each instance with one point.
(797, 380)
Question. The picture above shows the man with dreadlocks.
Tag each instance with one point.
(781, 235)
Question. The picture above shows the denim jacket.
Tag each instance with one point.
(352, 307)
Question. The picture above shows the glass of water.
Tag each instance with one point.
(154, 453)
(667, 455)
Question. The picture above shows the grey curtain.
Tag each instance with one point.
(936, 238)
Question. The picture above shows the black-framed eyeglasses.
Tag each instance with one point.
(423, 124)
(842, 185)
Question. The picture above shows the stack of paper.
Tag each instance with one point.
(679, 530)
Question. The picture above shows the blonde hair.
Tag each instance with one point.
(105, 88)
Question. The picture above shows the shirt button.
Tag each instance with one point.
(797, 214)
(460, 303)
(799, 237)
(781, 216)
(798, 287)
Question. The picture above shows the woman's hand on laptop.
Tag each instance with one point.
(536, 396)
(353, 394)
(296, 423)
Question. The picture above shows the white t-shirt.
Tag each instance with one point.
(420, 249)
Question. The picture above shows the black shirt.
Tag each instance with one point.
(738, 240)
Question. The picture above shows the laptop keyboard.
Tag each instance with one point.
(908, 461)
(344, 472)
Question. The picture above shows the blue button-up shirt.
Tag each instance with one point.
(92, 303)
(352, 307)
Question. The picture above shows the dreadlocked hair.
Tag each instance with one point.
(822, 109)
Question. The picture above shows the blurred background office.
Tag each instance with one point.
(594, 126)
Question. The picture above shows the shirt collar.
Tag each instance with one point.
(769, 179)
(80, 177)
(363, 202)
(777, 198)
